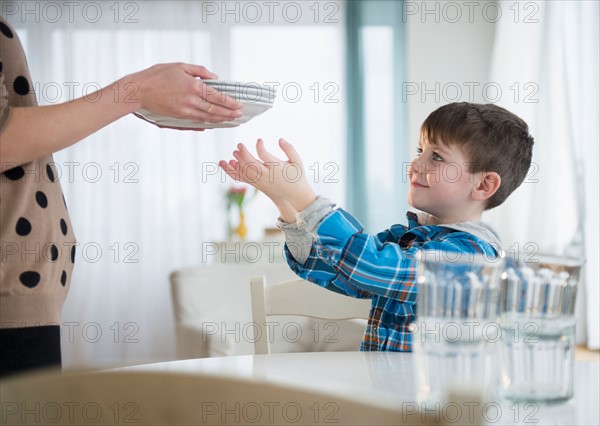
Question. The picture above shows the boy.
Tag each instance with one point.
(489, 147)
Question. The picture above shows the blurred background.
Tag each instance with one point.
(354, 81)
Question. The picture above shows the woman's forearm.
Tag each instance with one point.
(33, 132)
(174, 90)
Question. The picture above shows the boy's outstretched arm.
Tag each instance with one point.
(267, 174)
(324, 264)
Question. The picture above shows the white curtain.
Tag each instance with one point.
(146, 201)
(549, 56)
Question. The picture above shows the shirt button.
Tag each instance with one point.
(375, 327)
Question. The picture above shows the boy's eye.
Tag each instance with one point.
(436, 157)
(419, 151)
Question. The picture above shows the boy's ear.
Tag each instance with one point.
(487, 186)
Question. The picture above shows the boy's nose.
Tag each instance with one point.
(415, 167)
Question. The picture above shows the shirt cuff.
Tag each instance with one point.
(298, 241)
(309, 218)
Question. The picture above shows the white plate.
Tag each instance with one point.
(252, 91)
(251, 110)
(246, 94)
(234, 85)
(251, 99)
(242, 89)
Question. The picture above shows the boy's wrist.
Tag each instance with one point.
(302, 199)
(286, 211)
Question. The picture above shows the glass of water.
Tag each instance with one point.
(456, 327)
(538, 328)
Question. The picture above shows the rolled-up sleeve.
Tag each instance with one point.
(365, 261)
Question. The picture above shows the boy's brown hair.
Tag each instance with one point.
(494, 140)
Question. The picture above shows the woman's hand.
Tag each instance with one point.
(174, 90)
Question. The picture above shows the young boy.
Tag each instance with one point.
(470, 158)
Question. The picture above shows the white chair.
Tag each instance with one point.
(300, 298)
(211, 305)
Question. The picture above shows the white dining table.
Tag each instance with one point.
(385, 378)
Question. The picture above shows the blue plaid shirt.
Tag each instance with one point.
(380, 267)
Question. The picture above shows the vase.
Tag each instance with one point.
(241, 230)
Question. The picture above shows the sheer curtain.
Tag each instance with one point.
(146, 201)
(549, 56)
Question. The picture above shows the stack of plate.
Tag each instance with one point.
(255, 98)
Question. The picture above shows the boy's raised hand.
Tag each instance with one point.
(278, 179)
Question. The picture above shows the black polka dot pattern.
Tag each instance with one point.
(63, 227)
(50, 172)
(34, 216)
(30, 279)
(15, 174)
(21, 85)
(53, 253)
(41, 199)
(5, 30)
(23, 227)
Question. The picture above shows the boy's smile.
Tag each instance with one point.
(417, 184)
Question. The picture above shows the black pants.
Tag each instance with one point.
(26, 349)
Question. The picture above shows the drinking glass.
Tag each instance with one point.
(456, 326)
(538, 328)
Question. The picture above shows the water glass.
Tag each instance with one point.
(538, 329)
(456, 327)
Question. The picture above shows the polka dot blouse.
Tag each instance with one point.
(37, 247)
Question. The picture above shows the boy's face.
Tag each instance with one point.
(440, 183)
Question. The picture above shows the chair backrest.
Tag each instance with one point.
(298, 297)
(160, 398)
(210, 301)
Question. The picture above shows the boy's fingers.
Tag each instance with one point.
(243, 159)
(225, 166)
(249, 167)
(265, 155)
(246, 156)
(289, 150)
(232, 169)
(229, 170)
